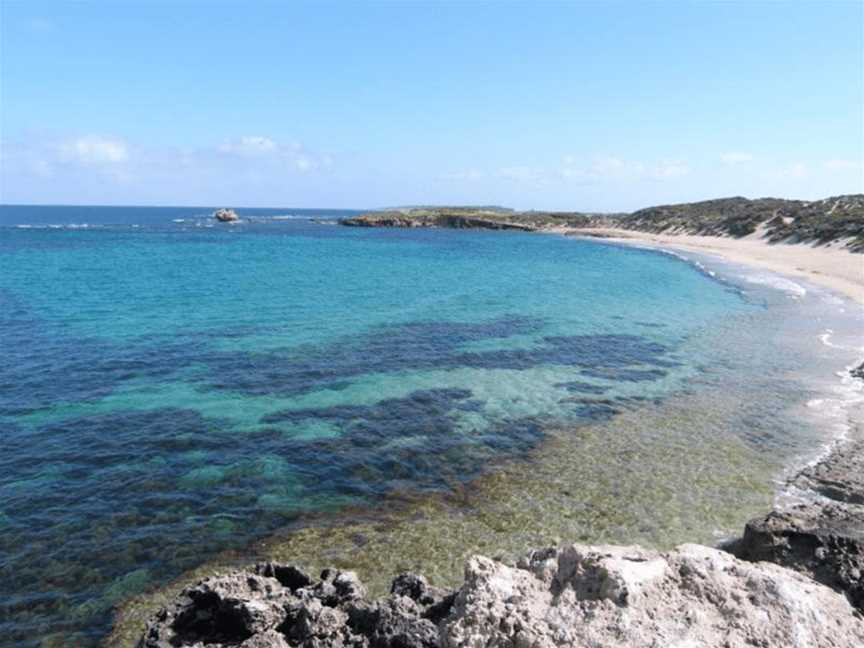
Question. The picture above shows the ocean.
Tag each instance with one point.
(176, 392)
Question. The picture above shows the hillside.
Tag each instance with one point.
(789, 221)
(836, 219)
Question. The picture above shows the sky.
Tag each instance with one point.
(607, 106)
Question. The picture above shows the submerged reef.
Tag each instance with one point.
(572, 595)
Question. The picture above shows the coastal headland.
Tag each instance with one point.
(793, 578)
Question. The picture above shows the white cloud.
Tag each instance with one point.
(616, 168)
(837, 165)
(667, 170)
(94, 150)
(292, 154)
(41, 25)
(798, 170)
(464, 175)
(736, 157)
(249, 145)
(524, 174)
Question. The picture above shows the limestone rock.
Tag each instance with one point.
(822, 540)
(583, 596)
(577, 596)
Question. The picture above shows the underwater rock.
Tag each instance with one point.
(225, 215)
(825, 541)
(575, 596)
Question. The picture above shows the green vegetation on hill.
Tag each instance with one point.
(840, 218)
(471, 217)
(790, 221)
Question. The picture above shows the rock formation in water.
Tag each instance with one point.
(226, 215)
(579, 596)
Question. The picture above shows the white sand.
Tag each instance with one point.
(830, 266)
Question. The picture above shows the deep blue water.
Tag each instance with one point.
(170, 387)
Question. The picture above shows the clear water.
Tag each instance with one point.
(171, 389)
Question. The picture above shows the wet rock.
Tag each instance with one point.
(625, 596)
(226, 215)
(822, 540)
(839, 477)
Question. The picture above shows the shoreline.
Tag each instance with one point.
(831, 267)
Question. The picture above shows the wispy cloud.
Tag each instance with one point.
(839, 165)
(607, 168)
(524, 175)
(94, 150)
(292, 154)
(469, 175)
(736, 157)
(798, 170)
(95, 158)
(249, 145)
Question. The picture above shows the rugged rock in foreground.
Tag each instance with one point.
(822, 540)
(278, 605)
(226, 215)
(578, 596)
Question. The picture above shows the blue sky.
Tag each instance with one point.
(577, 105)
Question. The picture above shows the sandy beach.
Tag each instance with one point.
(829, 266)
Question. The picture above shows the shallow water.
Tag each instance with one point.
(170, 391)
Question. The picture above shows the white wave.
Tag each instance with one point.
(777, 282)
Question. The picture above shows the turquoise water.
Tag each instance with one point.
(170, 389)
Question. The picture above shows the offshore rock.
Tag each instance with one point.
(822, 540)
(576, 596)
(226, 215)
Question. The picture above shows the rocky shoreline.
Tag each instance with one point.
(793, 579)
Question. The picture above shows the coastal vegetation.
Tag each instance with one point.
(837, 219)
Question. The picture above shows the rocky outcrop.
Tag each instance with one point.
(625, 596)
(226, 215)
(822, 538)
(454, 221)
(825, 541)
(577, 596)
(279, 605)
